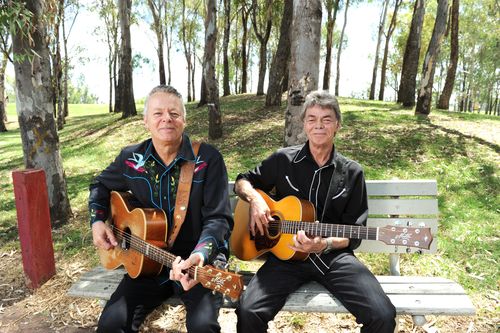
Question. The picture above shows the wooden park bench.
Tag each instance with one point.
(390, 202)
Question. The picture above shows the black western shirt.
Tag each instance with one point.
(139, 169)
(293, 171)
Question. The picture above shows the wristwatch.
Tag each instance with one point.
(329, 245)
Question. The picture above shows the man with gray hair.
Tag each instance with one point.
(335, 185)
(151, 171)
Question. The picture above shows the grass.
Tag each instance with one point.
(383, 137)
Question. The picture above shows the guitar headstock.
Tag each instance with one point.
(227, 283)
(406, 236)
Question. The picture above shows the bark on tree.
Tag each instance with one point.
(187, 51)
(156, 9)
(388, 36)
(36, 111)
(279, 65)
(330, 25)
(225, 47)
(211, 84)
(245, 11)
(263, 38)
(3, 106)
(339, 52)
(424, 99)
(125, 82)
(381, 25)
(409, 69)
(444, 99)
(304, 65)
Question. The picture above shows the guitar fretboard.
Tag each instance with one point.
(151, 251)
(327, 230)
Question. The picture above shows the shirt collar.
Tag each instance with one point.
(185, 152)
(305, 152)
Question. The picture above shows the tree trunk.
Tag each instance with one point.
(409, 69)
(125, 84)
(381, 26)
(187, 50)
(444, 99)
(304, 65)
(330, 25)
(244, 41)
(339, 52)
(156, 9)
(279, 65)
(215, 118)
(225, 47)
(263, 38)
(425, 91)
(36, 114)
(390, 30)
(3, 104)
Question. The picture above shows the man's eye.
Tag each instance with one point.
(174, 115)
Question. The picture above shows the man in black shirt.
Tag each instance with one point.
(336, 186)
(150, 170)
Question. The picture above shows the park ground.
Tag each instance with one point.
(461, 151)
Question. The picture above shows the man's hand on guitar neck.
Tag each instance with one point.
(302, 243)
(102, 236)
(179, 271)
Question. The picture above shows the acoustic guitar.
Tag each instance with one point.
(292, 214)
(141, 233)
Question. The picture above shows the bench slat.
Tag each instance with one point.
(401, 187)
(403, 207)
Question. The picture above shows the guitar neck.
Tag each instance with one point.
(330, 230)
(150, 251)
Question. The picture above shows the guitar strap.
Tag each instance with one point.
(182, 196)
(337, 182)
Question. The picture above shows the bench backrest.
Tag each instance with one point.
(395, 202)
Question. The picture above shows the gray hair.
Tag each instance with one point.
(167, 90)
(325, 100)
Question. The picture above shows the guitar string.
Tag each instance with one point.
(158, 253)
(324, 229)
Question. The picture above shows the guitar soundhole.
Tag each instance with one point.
(125, 239)
(274, 226)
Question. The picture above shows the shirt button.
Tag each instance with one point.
(164, 198)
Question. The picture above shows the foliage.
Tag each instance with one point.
(80, 94)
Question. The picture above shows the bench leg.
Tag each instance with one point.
(419, 320)
(394, 264)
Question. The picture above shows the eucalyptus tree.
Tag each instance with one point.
(108, 12)
(330, 5)
(409, 69)
(215, 118)
(381, 25)
(424, 96)
(388, 35)
(278, 72)
(34, 105)
(157, 9)
(189, 27)
(339, 51)
(5, 50)
(225, 48)
(444, 99)
(304, 65)
(124, 97)
(262, 22)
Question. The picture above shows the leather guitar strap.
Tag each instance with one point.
(182, 196)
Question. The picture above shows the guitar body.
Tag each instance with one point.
(247, 247)
(148, 224)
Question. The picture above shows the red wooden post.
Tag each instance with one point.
(33, 221)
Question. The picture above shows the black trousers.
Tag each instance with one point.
(134, 299)
(342, 274)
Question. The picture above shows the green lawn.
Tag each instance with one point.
(386, 139)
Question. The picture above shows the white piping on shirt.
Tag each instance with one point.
(338, 195)
(290, 183)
